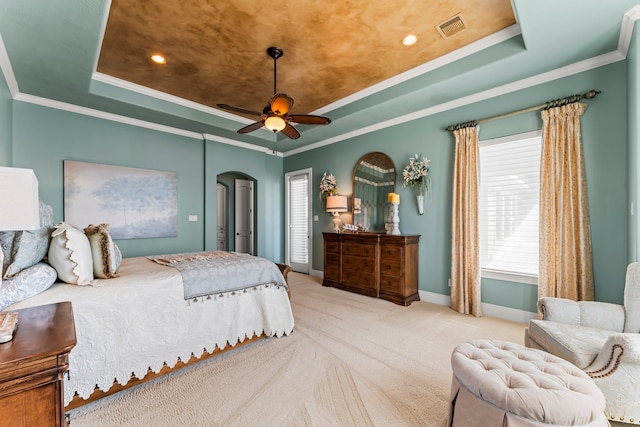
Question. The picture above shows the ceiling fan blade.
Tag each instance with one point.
(281, 103)
(238, 109)
(309, 119)
(290, 132)
(251, 127)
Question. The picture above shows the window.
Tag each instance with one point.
(509, 207)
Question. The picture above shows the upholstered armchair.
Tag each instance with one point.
(601, 339)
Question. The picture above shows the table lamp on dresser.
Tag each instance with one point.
(19, 210)
(335, 205)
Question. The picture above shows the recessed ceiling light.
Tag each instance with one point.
(409, 40)
(158, 59)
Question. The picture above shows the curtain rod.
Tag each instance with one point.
(551, 104)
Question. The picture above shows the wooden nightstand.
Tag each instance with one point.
(32, 366)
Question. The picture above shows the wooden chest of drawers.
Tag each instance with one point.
(377, 265)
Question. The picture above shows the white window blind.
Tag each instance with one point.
(509, 207)
(299, 226)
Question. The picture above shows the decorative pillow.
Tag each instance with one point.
(6, 243)
(27, 283)
(30, 246)
(70, 255)
(105, 253)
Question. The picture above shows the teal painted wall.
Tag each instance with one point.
(266, 170)
(45, 137)
(604, 141)
(6, 122)
(633, 64)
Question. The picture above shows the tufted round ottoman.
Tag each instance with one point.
(502, 384)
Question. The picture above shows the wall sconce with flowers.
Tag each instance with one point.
(416, 175)
(328, 185)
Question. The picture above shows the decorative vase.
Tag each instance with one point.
(420, 199)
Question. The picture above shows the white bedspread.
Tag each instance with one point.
(141, 320)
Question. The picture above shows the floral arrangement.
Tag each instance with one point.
(416, 173)
(328, 185)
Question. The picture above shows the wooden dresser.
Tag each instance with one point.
(32, 365)
(377, 265)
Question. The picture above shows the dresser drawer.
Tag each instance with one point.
(332, 247)
(358, 262)
(332, 259)
(359, 249)
(359, 278)
(332, 272)
(390, 267)
(390, 252)
(390, 284)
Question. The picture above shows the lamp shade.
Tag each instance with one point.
(19, 202)
(337, 204)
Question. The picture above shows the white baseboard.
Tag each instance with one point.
(492, 310)
(317, 273)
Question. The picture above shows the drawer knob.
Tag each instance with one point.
(366, 264)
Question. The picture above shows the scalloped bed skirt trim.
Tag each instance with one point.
(140, 322)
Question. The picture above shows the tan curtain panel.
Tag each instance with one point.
(565, 234)
(465, 254)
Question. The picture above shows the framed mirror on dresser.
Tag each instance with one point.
(374, 177)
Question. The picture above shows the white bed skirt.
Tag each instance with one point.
(140, 320)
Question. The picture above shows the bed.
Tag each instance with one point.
(139, 325)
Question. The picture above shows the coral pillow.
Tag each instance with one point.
(70, 255)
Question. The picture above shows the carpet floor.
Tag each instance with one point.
(351, 361)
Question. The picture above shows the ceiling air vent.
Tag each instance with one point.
(451, 26)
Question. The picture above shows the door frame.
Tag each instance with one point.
(240, 207)
(287, 180)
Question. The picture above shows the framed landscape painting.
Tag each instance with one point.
(136, 203)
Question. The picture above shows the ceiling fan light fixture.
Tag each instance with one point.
(281, 103)
(275, 123)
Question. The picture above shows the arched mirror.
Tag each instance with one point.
(374, 176)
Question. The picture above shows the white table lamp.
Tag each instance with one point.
(335, 205)
(19, 202)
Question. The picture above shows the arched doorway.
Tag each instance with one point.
(236, 219)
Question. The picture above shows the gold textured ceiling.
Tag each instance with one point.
(216, 50)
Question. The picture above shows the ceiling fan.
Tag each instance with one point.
(275, 115)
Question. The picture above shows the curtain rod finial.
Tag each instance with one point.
(591, 94)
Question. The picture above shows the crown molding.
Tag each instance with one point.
(143, 90)
(72, 108)
(470, 49)
(7, 70)
(626, 32)
(575, 68)
(626, 29)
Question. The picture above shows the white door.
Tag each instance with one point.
(298, 217)
(244, 216)
(221, 225)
